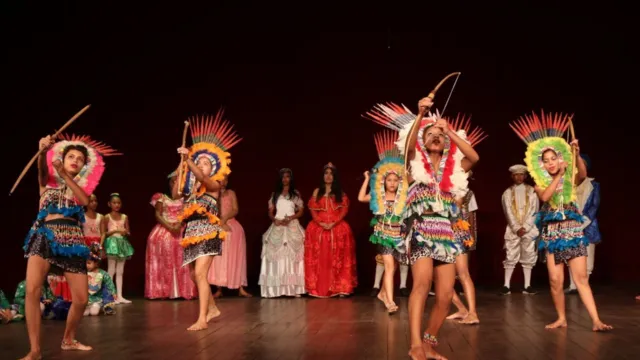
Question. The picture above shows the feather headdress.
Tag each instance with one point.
(391, 162)
(541, 133)
(212, 138)
(89, 176)
(451, 177)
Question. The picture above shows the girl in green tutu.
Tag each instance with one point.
(115, 226)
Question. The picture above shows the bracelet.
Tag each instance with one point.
(430, 339)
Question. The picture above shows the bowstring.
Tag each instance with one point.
(449, 97)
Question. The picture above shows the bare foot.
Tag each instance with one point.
(459, 315)
(430, 353)
(213, 313)
(199, 325)
(382, 297)
(470, 319)
(600, 326)
(560, 323)
(392, 308)
(32, 356)
(74, 345)
(218, 294)
(123, 301)
(417, 353)
(242, 292)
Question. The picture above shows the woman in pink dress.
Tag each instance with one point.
(165, 277)
(230, 269)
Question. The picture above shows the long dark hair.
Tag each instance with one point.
(293, 193)
(336, 187)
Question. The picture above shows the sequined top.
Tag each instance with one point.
(60, 201)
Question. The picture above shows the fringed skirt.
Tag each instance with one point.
(462, 235)
(401, 258)
(432, 236)
(564, 239)
(201, 238)
(61, 243)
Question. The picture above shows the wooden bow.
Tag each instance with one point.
(54, 136)
(573, 156)
(184, 143)
(416, 124)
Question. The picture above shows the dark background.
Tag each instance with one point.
(295, 84)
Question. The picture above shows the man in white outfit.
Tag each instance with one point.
(520, 204)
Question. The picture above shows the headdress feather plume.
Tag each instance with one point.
(462, 122)
(390, 115)
(386, 144)
(102, 148)
(530, 128)
(214, 130)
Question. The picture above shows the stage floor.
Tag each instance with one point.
(352, 328)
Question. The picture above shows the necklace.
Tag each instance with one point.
(514, 206)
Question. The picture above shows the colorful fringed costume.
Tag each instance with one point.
(559, 219)
(467, 228)
(102, 291)
(61, 241)
(388, 232)
(203, 235)
(431, 209)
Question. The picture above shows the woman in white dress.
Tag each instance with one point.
(282, 269)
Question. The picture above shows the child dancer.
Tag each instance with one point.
(282, 268)
(101, 289)
(165, 275)
(92, 225)
(439, 160)
(68, 172)
(553, 163)
(465, 229)
(207, 163)
(404, 274)
(115, 226)
(387, 200)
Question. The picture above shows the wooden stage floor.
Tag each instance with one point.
(352, 328)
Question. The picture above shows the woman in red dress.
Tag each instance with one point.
(329, 248)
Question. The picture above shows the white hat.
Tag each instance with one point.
(518, 169)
